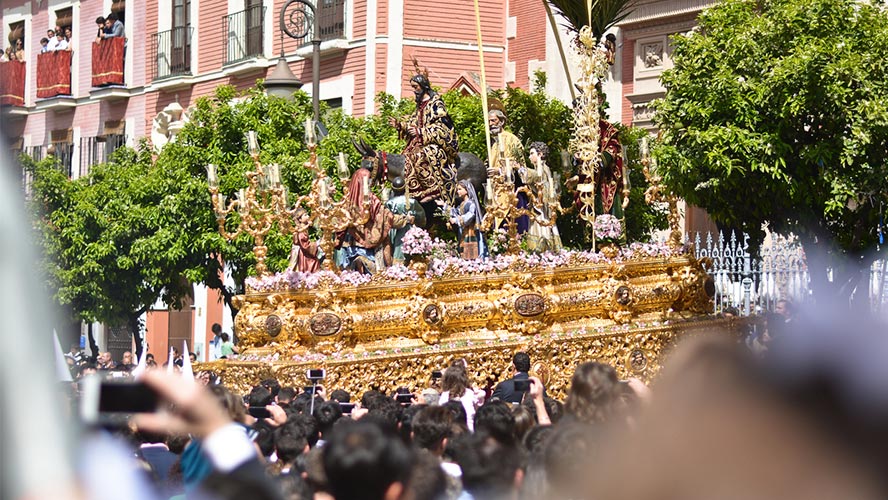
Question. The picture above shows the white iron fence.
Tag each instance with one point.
(753, 285)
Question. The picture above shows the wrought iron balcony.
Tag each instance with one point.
(244, 34)
(171, 51)
(331, 19)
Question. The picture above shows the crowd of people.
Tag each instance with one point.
(15, 52)
(721, 421)
(61, 38)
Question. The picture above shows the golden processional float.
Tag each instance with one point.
(621, 305)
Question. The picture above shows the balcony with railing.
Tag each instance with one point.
(96, 150)
(244, 34)
(331, 19)
(170, 51)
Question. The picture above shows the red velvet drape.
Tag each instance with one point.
(54, 73)
(12, 83)
(107, 62)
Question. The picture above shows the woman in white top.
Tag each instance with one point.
(456, 381)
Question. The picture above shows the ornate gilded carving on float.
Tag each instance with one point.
(427, 312)
(634, 350)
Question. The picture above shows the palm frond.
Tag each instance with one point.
(605, 13)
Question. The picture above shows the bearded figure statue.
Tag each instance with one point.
(432, 146)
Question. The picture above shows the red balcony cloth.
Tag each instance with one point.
(12, 83)
(54, 73)
(107, 61)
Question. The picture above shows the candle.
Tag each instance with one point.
(343, 167)
(645, 151)
(501, 144)
(242, 199)
(309, 132)
(212, 180)
(366, 182)
(222, 201)
(253, 143)
(276, 174)
(322, 190)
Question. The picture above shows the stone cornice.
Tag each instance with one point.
(662, 17)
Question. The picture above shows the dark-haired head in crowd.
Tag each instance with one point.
(362, 461)
(491, 469)
(326, 414)
(495, 419)
(432, 427)
(273, 387)
(286, 396)
(341, 396)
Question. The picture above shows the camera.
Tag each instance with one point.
(315, 375)
(312, 389)
(99, 398)
(346, 408)
(259, 412)
(404, 399)
(436, 374)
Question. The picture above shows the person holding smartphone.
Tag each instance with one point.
(506, 390)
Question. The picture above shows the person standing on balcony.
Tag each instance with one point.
(44, 45)
(61, 43)
(113, 27)
(52, 41)
(100, 28)
(20, 49)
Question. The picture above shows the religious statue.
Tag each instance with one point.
(305, 255)
(399, 204)
(507, 158)
(467, 217)
(368, 248)
(432, 146)
(542, 237)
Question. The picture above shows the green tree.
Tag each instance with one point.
(107, 256)
(777, 112)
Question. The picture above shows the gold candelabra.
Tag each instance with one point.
(656, 193)
(505, 206)
(327, 215)
(263, 203)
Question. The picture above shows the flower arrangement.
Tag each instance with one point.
(497, 241)
(607, 228)
(455, 266)
(417, 242)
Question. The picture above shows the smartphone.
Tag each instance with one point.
(436, 374)
(310, 389)
(347, 408)
(404, 399)
(522, 385)
(318, 374)
(98, 397)
(259, 412)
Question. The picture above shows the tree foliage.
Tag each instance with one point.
(777, 112)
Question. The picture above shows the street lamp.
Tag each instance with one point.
(298, 19)
(282, 82)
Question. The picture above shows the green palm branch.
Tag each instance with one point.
(605, 13)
